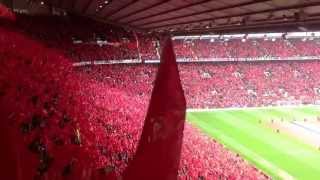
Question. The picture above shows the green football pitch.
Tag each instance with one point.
(246, 132)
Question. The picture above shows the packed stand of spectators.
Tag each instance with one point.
(251, 84)
(250, 48)
(67, 124)
(149, 47)
(228, 84)
(210, 85)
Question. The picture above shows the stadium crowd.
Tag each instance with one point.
(85, 122)
(69, 124)
(237, 48)
(228, 84)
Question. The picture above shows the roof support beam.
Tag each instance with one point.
(241, 14)
(206, 11)
(121, 8)
(141, 10)
(169, 11)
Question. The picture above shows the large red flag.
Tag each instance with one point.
(159, 149)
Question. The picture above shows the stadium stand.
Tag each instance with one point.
(96, 115)
(229, 84)
(237, 48)
(85, 127)
(84, 123)
(112, 43)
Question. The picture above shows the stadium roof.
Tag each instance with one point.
(198, 16)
